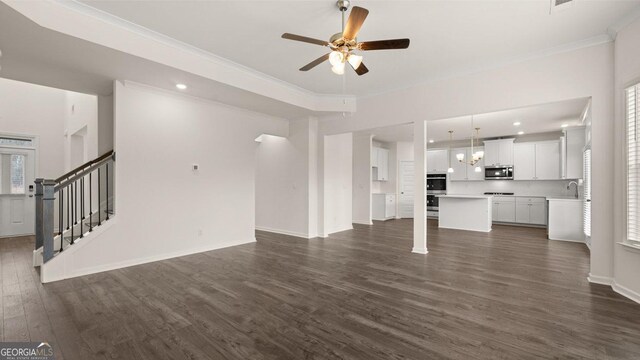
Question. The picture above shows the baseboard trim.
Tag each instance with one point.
(132, 262)
(362, 222)
(346, 228)
(284, 232)
(568, 240)
(422, 251)
(626, 292)
(601, 280)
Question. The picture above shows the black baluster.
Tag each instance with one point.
(99, 202)
(73, 209)
(68, 205)
(60, 212)
(90, 204)
(107, 187)
(81, 207)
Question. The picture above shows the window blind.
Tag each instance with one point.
(587, 192)
(633, 164)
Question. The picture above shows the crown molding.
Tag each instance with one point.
(82, 21)
(581, 44)
(625, 21)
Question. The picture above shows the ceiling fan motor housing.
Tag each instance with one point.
(343, 5)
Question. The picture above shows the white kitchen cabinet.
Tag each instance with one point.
(524, 161)
(380, 168)
(498, 152)
(504, 209)
(463, 171)
(574, 141)
(565, 219)
(548, 160)
(536, 160)
(531, 210)
(383, 206)
(437, 160)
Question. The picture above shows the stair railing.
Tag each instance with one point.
(74, 194)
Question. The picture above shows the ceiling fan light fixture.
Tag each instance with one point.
(354, 60)
(336, 57)
(338, 69)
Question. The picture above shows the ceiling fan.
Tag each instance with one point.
(344, 44)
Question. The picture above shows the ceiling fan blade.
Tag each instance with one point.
(356, 19)
(315, 63)
(384, 44)
(361, 70)
(304, 39)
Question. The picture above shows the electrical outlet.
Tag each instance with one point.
(199, 232)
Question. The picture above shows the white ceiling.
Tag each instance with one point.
(447, 37)
(32, 53)
(533, 120)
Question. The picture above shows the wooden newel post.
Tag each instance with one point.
(45, 197)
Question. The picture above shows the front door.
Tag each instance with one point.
(17, 202)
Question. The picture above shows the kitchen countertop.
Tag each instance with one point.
(563, 198)
(464, 196)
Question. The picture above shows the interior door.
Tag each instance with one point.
(405, 202)
(17, 202)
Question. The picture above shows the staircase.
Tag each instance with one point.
(70, 207)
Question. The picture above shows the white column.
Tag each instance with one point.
(420, 191)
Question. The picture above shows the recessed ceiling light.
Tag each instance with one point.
(520, 132)
(564, 125)
(517, 123)
(431, 141)
(181, 86)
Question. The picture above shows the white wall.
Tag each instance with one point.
(164, 208)
(81, 127)
(361, 178)
(285, 189)
(27, 109)
(627, 67)
(105, 123)
(580, 73)
(338, 170)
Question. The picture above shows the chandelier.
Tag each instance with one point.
(476, 156)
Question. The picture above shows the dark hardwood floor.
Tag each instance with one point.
(359, 294)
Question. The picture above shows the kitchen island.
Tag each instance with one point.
(465, 212)
(565, 218)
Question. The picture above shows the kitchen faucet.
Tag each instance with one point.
(569, 187)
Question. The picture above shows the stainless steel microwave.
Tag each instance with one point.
(498, 172)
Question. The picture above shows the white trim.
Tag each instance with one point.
(422, 251)
(60, 259)
(630, 247)
(110, 31)
(285, 232)
(580, 44)
(347, 228)
(626, 292)
(602, 280)
(626, 20)
(569, 240)
(362, 222)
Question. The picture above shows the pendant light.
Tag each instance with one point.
(450, 169)
(476, 156)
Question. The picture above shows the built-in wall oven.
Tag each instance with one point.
(436, 185)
